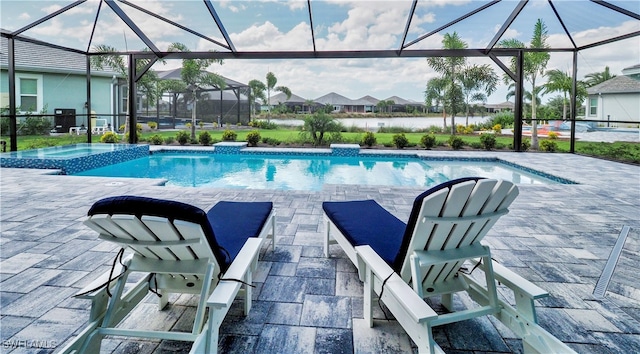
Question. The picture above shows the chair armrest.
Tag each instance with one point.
(225, 292)
(416, 307)
(515, 282)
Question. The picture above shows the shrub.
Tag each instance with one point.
(183, 137)
(229, 135)
(456, 142)
(109, 137)
(552, 135)
(548, 145)
(271, 141)
(488, 141)
(400, 141)
(204, 138)
(497, 129)
(263, 124)
(152, 125)
(201, 124)
(369, 139)
(428, 141)
(157, 139)
(35, 126)
(169, 140)
(253, 137)
(318, 124)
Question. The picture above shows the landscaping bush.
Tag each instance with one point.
(35, 126)
(525, 144)
(456, 142)
(318, 124)
(229, 135)
(552, 135)
(152, 125)
(253, 137)
(396, 130)
(369, 139)
(204, 138)
(497, 129)
(488, 141)
(263, 124)
(156, 139)
(548, 145)
(110, 137)
(428, 141)
(400, 141)
(183, 137)
(271, 141)
(169, 140)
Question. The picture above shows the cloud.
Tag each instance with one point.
(24, 16)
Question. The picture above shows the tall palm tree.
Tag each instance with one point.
(259, 89)
(195, 76)
(559, 81)
(534, 66)
(257, 92)
(449, 68)
(478, 82)
(435, 95)
(598, 77)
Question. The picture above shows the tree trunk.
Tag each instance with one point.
(193, 116)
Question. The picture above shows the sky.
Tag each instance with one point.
(264, 25)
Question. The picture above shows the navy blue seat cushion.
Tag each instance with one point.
(365, 222)
(234, 222)
(243, 217)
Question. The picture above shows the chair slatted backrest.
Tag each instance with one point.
(124, 220)
(455, 217)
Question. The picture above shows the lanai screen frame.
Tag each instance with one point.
(402, 52)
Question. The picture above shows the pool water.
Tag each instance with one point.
(68, 151)
(296, 172)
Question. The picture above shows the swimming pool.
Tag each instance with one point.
(308, 172)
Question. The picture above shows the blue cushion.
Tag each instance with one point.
(365, 222)
(234, 222)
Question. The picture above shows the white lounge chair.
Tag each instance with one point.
(444, 230)
(181, 249)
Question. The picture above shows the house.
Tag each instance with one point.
(53, 81)
(616, 99)
(294, 103)
(506, 106)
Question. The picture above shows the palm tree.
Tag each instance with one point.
(559, 81)
(597, 78)
(449, 68)
(478, 82)
(534, 65)
(435, 94)
(195, 76)
(258, 89)
(146, 83)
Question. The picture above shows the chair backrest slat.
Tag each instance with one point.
(164, 230)
(134, 226)
(477, 204)
(193, 231)
(105, 225)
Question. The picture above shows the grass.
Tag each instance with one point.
(619, 151)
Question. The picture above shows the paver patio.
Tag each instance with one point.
(558, 236)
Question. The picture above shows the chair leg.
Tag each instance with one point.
(326, 238)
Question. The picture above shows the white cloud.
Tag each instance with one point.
(24, 16)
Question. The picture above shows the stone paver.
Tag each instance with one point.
(558, 236)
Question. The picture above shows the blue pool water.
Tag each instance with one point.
(299, 172)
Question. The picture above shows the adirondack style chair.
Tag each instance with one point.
(405, 263)
(180, 249)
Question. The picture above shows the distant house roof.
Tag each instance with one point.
(334, 98)
(34, 57)
(282, 98)
(619, 84)
(503, 105)
(372, 100)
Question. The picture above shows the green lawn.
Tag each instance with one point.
(620, 151)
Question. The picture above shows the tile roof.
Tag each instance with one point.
(619, 84)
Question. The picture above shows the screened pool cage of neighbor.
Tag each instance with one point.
(48, 51)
